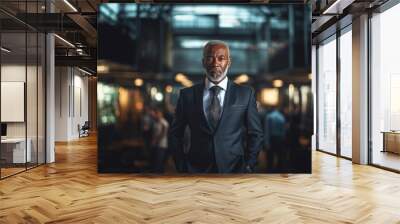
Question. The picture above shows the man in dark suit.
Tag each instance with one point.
(225, 129)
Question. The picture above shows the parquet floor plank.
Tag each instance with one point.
(71, 191)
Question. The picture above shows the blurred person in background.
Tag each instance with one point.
(160, 141)
(275, 131)
(147, 132)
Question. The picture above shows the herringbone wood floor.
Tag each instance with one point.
(71, 191)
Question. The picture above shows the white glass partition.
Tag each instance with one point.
(15, 150)
(385, 88)
(346, 93)
(22, 93)
(327, 96)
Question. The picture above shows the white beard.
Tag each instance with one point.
(222, 77)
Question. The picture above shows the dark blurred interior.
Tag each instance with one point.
(148, 52)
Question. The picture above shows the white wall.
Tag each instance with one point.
(71, 102)
(33, 126)
(81, 105)
(16, 73)
(61, 103)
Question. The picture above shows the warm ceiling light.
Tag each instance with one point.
(187, 83)
(183, 80)
(277, 83)
(102, 68)
(65, 41)
(70, 5)
(138, 82)
(168, 89)
(180, 77)
(243, 78)
(5, 50)
(310, 76)
(270, 96)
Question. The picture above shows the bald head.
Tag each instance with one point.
(216, 60)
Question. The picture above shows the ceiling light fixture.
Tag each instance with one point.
(328, 10)
(337, 7)
(64, 40)
(79, 51)
(180, 77)
(277, 83)
(84, 71)
(168, 89)
(5, 50)
(138, 82)
(243, 78)
(102, 68)
(70, 5)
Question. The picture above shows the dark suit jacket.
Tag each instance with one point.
(234, 143)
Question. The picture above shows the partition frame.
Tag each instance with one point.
(339, 31)
(44, 82)
(381, 9)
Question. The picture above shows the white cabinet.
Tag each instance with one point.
(17, 147)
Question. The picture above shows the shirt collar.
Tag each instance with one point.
(223, 84)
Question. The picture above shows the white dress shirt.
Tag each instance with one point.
(221, 95)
